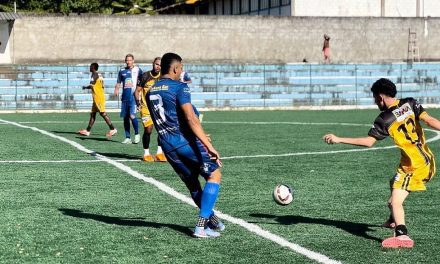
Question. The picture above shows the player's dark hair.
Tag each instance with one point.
(94, 66)
(384, 86)
(167, 61)
(129, 55)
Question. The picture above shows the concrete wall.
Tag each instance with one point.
(363, 8)
(232, 39)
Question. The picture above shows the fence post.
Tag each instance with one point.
(310, 84)
(216, 85)
(264, 85)
(16, 86)
(67, 88)
(356, 85)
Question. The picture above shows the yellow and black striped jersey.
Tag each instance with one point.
(401, 122)
(146, 81)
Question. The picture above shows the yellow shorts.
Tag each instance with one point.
(146, 118)
(415, 180)
(98, 107)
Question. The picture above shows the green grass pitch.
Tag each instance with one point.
(92, 212)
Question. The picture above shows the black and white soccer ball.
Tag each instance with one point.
(283, 194)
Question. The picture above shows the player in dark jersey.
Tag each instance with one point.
(128, 77)
(183, 140)
(399, 119)
(143, 86)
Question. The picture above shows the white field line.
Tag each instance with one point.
(437, 137)
(165, 188)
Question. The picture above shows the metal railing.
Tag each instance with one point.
(226, 85)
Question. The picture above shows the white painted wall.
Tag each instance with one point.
(5, 56)
(356, 8)
(337, 7)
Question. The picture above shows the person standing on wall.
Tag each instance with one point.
(326, 48)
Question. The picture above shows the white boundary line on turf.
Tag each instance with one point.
(165, 188)
(437, 137)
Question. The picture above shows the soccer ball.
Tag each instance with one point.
(282, 194)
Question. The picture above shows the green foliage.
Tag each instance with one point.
(80, 6)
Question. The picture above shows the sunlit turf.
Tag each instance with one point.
(96, 213)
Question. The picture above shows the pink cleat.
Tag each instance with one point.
(84, 132)
(398, 242)
(111, 133)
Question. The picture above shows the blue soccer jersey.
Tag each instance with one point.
(164, 102)
(128, 78)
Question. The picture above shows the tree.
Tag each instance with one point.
(132, 6)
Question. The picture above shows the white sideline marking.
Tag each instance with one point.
(437, 137)
(165, 188)
(49, 161)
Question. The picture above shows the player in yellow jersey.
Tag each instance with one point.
(97, 87)
(399, 119)
(144, 84)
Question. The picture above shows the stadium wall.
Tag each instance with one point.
(230, 39)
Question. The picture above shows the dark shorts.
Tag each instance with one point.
(190, 161)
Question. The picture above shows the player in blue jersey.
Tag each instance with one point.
(128, 76)
(183, 140)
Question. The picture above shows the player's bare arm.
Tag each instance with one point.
(430, 121)
(137, 97)
(197, 128)
(117, 88)
(362, 141)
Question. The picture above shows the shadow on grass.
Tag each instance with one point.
(114, 220)
(65, 132)
(119, 155)
(96, 139)
(357, 229)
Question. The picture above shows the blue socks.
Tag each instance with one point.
(208, 199)
(135, 125)
(127, 126)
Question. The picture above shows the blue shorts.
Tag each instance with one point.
(128, 108)
(190, 161)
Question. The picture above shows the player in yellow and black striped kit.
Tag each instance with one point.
(97, 87)
(399, 119)
(143, 86)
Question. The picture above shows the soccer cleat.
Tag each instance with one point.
(148, 158)
(201, 232)
(84, 132)
(398, 242)
(219, 227)
(137, 139)
(161, 157)
(126, 141)
(111, 132)
(389, 224)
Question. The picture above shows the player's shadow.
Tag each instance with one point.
(123, 221)
(96, 139)
(357, 229)
(65, 132)
(119, 155)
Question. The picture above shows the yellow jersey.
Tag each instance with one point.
(146, 81)
(401, 122)
(97, 82)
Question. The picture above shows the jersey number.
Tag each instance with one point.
(158, 107)
(411, 134)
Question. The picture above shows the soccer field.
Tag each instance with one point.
(72, 199)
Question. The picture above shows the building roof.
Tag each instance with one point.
(9, 16)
